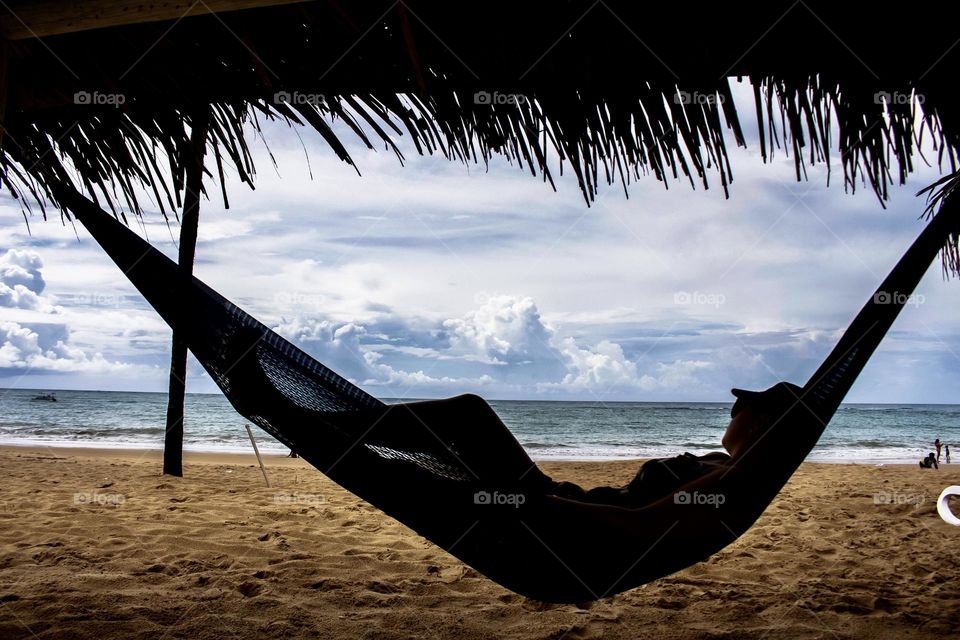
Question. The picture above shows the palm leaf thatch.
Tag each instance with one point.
(609, 90)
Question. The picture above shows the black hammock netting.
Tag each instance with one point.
(452, 472)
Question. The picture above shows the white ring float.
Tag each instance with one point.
(943, 507)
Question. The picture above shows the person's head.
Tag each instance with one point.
(755, 412)
(937, 441)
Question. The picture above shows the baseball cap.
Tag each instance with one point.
(780, 396)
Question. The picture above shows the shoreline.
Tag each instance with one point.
(242, 453)
(235, 458)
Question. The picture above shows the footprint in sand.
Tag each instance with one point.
(378, 586)
(162, 568)
(249, 589)
(326, 585)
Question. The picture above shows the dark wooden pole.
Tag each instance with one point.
(189, 221)
(3, 90)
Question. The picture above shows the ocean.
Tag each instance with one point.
(875, 433)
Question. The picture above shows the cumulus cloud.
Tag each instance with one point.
(21, 282)
(41, 347)
(411, 381)
(603, 365)
(352, 350)
(503, 345)
(503, 330)
(605, 368)
(337, 345)
(509, 331)
(676, 375)
(45, 348)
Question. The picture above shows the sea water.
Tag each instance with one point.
(874, 433)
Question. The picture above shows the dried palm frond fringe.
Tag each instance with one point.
(607, 133)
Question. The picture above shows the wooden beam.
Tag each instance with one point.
(24, 20)
(3, 90)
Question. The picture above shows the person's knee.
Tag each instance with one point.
(473, 406)
(471, 400)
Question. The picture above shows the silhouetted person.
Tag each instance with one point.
(947, 449)
(748, 429)
(936, 443)
(930, 462)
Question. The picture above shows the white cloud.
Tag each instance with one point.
(677, 375)
(503, 345)
(23, 268)
(41, 347)
(599, 367)
(605, 368)
(503, 330)
(410, 382)
(21, 282)
(45, 349)
(336, 345)
(339, 345)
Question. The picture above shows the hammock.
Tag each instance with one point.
(453, 473)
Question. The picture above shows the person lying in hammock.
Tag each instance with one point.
(436, 466)
(750, 424)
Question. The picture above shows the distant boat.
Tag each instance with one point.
(46, 397)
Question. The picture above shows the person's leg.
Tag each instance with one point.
(614, 496)
(470, 430)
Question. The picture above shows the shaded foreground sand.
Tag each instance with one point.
(96, 544)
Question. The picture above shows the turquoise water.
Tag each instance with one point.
(549, 430)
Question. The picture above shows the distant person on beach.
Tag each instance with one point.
(930, 462)
(947, 450)
(936, 443)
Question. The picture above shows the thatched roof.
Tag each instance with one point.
(615, 88)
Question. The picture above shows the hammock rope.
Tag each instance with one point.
(450, 470)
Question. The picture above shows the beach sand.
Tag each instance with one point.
(97, 544)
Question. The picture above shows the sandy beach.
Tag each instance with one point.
(97, 544)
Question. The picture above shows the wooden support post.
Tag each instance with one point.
(3, 89)
(257, 451)
(189, 222)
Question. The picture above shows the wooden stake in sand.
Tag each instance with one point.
(257, 451)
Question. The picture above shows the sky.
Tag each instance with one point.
(434, 278)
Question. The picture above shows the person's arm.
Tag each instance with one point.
(697, 520)
(613, 548)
